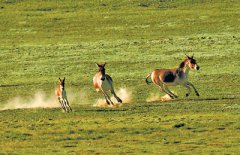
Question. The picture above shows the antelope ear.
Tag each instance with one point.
(64, 79)
(187, 56)
(192, 56)
(97, 64)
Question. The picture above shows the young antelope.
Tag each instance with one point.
(62, 96)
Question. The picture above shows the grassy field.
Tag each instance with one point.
(41, 41)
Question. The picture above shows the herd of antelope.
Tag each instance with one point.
(160, 77)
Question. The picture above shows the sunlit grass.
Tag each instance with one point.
(42, 41)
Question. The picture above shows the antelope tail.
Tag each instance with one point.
(147, 78)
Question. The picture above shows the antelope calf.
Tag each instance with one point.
(62, 96)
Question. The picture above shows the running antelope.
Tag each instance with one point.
(176, 76)
(104, 82)
(62, 96)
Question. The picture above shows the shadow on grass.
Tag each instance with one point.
(106, 110)
(12, 85)
(17, 85)
(213, 99)
(196, 99)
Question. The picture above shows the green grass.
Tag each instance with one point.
(42, 41)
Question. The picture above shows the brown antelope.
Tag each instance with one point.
(62, 96)
(104, 82)
(176, 76)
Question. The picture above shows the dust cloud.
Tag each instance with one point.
(123, 93)
(79, 97)
(39, 100)
(156, 97)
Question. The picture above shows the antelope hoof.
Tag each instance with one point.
(119, 100)
(197, 94)
(187, 95)
(172, 97)
(108, 102)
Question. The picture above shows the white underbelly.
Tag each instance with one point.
(106, 85)
(64, 94)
